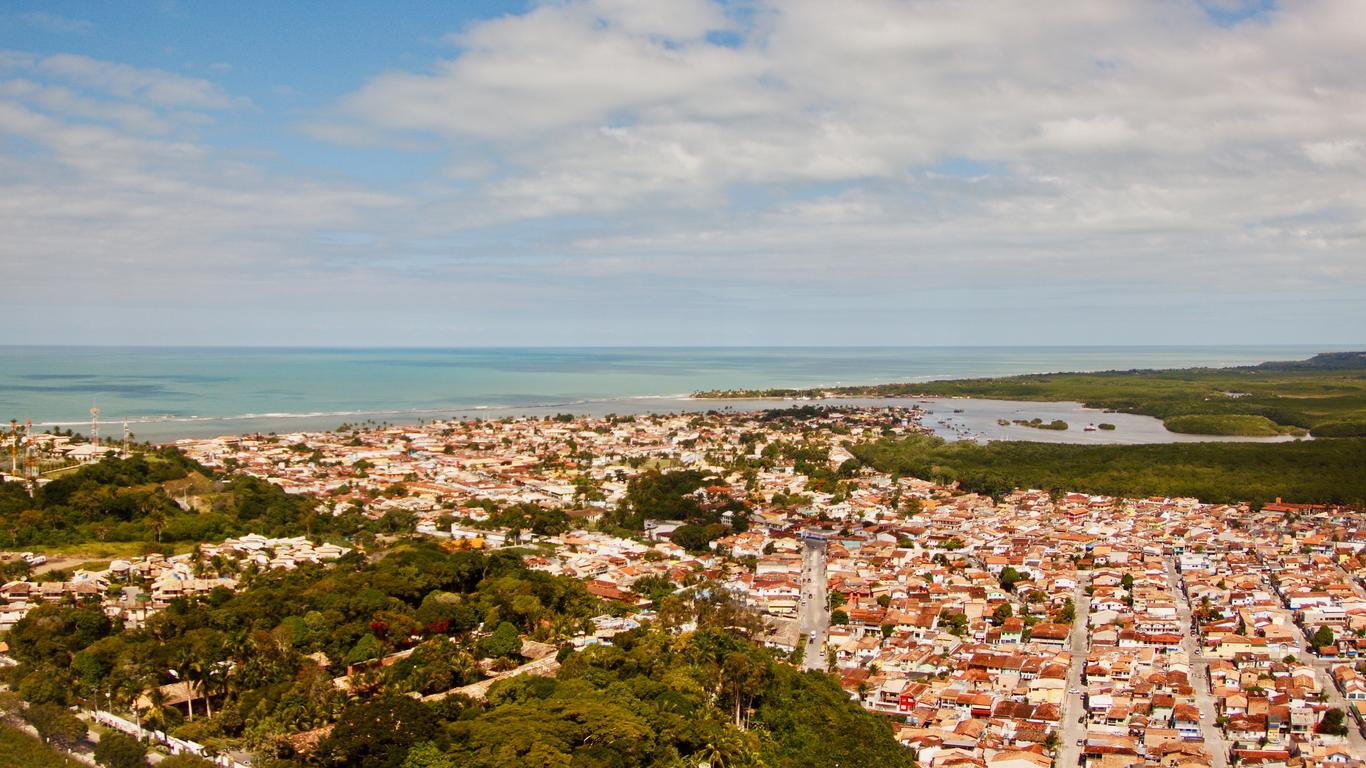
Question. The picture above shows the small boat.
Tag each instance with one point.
(1089, 428)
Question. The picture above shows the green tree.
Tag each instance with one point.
(1323, 636)
(119, 750)
(1067, 613)
(366, 648)
(503, 643)
(427, 755)
(56, 725)
(184, 761)
(1334, 723)
(1002, 612)
(377, 734)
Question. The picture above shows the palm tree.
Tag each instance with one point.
(156, 707)
(154, 514)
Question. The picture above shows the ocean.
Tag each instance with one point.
(165, 393)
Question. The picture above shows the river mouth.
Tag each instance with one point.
(980, 419)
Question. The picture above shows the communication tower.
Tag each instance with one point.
(126, 435)
(95, 425)
(30, 457)
(14, 447)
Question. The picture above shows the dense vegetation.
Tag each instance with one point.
(267, 656)
(1225, 424)
(19, 750)
(651, 699)
(1320, 470)
(656, 495)
(1325, 394)
(159, 498)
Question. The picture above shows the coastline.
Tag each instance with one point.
(171, 393)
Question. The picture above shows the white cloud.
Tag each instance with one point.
(1136, 128)
(53, 22)
(1349, 153)
(832, 150)
(123, 81)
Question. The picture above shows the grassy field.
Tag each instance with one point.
(1304, 471)
(1326, 394)
(108, 550)
(19, 750)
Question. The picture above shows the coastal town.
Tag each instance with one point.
(1031, 630)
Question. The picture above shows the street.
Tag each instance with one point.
(1073, 704)
(814, 610)
(1199, 672)
(1333, 695)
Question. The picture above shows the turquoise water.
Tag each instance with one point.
(166, 393)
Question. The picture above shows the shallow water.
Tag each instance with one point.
(169, 393)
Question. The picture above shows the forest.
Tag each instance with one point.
(265, 658)
(1325, 394)
(159, 498)
(1303, 471)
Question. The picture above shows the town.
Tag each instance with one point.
(1029, 630)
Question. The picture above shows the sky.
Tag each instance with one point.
(634, 172)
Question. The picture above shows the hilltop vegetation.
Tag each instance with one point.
(267, 657)
(159, 498)
(1306, 471)
(19, 750)
(1325, 394)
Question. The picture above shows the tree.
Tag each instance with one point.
(1002, 612)
(1009, 576)
(1067, 613)
(366, 648)
(119, 750)
(504, 643)
(56, 725)
(378, 734)
(1323, 636)
(1334, 723)
(427, 755)
(184, 761)
(957, 622)
(839, 616)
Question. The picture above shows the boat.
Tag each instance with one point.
(1089, 428)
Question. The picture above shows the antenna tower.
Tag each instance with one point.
(30, 457)
(95, 425)
(126, 435)
(14, 447)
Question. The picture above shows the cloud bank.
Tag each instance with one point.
(608, 171)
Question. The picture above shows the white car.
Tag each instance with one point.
(1073, 691)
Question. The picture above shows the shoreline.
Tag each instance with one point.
(977, 421)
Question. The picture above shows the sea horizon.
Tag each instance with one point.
(170, 392)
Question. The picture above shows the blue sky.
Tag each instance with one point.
(691, 172)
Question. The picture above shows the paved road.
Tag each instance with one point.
(1073, 705)
(1321, 669)
(1215, 744)
(813, 607)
